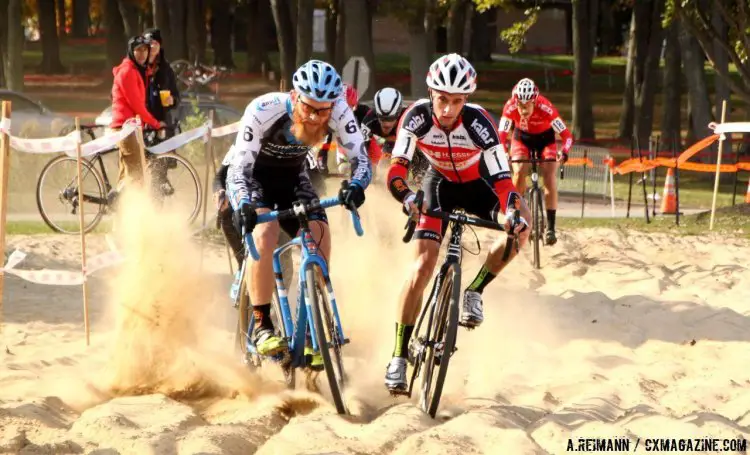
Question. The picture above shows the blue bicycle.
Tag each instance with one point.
(326, 334)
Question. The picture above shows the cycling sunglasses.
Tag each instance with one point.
(310, 110)
(388, 118)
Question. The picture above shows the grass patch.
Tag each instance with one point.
(730, 221)
(33, 227)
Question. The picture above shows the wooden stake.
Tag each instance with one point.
(207, 150)
(718, 165)
(4, 168)
(83, 236)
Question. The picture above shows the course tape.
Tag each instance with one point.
(60, 277)
(68, 144)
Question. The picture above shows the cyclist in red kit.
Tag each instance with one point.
(535, 121)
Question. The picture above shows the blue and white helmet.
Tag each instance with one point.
(317, 80)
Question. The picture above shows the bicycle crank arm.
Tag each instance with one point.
(467, 327)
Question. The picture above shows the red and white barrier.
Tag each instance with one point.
(60, 277)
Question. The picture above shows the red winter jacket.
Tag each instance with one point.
(129, 96)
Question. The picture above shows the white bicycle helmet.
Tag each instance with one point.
(388, 102)
(452, 73)
(525, 90)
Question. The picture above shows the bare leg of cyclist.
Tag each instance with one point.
(520, 171)
(262, 282)
(549, 174)
(410, 303)
(472, 314)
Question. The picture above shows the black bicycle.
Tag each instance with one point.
(536, 201)
(437, 325)
(57, 186)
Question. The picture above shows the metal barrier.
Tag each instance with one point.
(596, 175)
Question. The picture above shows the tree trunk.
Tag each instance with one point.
(3, 40)
(221, 35)
(129, 13)
(81, 18)
(583, 49)
(646, 90)
(196, 30)
(694, 70)
(332, 15)
(116, 41)
(340, 35)
(430, 27)
(60, 6)
(607, 30)
(456, 21)
(358, 43)
(480, 49)
(625, 131)
(160, 13)
(48, 30)
(178, 47)
(721, 63)
(285, 35)
(14, 54)
(305, 10)
(419, 62)
(258, 18)
(672, 103)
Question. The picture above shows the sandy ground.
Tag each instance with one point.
(619, 335)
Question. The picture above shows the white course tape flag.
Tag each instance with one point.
(60, 277)
(178, 141)
(225, 130)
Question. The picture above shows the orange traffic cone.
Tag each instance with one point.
(669, 200)
(747, 195)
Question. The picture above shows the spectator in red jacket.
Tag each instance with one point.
(128, 101)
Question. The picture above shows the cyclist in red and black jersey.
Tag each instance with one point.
(535, 120)
(468, 169)
(382, 122)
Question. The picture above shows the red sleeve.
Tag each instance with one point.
(565, 134)
(136, 97)
(505, 190)
(396, 179)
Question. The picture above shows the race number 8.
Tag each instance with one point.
(558, 125)
(247, 135)
(351, 127)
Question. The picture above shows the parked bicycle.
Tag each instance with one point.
(58, 179)
(535, 198)
(191, 76)
(317, 321)
(434, 340)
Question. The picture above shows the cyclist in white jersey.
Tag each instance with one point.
(268, 172)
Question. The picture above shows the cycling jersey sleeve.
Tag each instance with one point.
(410, 127)
(506, 123)
(493, 167)
(244, 153)
(350, 138)
(567, 137)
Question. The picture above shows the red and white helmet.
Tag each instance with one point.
(452, 73)
(525, 90)
(351, 95)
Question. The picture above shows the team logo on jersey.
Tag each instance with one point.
(415, 122)
(265, 105)
(482, 131)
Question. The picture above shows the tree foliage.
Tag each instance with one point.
(696, 16)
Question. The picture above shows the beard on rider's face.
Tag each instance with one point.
(306, 130)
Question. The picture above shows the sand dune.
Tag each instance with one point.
(619, 335)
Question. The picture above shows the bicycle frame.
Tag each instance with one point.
(296, 328)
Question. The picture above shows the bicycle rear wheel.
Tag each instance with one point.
(441, 334)
(327, 334)
(57, 195)
(538, 223)
(245, 327)
(176, 185)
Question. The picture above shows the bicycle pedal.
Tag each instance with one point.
(399, 393)
(346, 341)
(467, 326)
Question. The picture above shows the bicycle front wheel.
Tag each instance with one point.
(57, 195)
(327, 334)
(538, 222)
(441, 334)
(176, 185)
